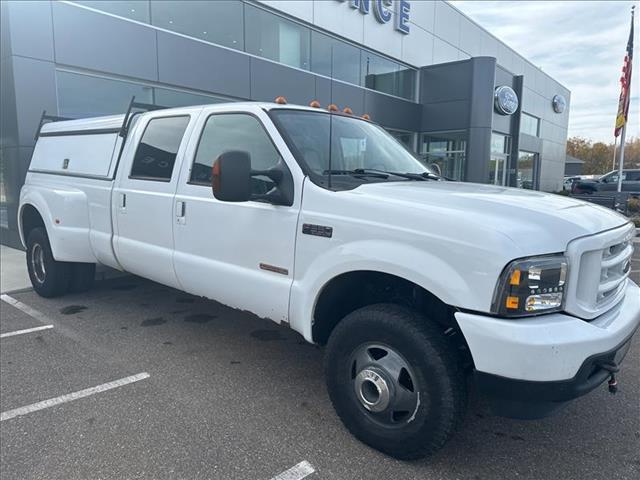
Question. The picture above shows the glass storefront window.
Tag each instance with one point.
(405, 138)
(499, 160)
(177, 98)
(219, 22)
(81, 96)
(529, 125)
(346, 58)
(275, 38)
(527, 170)
(378, 73)
(447, 150)
(133, 9)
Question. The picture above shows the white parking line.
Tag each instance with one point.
(52, 402)
(26, 330)
(32, 312)
(297, 472)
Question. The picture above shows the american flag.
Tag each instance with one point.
(625, 84)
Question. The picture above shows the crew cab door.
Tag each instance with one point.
(142, 200)
(240, 254)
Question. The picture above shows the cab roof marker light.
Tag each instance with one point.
(333, 108)
(314, 104)
(366, 117)
(280, 100)
(347, 110)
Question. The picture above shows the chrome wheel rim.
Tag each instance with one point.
(384, 385)
(37, 263)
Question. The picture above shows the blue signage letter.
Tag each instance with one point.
(382, 13)
(402, 16)
(363, 5)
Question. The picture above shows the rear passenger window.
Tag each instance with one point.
(156, 153)
(235, 131)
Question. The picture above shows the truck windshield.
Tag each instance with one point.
(361, 152)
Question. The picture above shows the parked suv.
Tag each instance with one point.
(609, 183)
(323, 222)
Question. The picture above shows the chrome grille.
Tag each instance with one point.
(614, 270)
(599, 268)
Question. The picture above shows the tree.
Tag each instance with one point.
(598, 156)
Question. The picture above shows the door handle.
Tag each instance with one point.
(181, 212)
(123, 202)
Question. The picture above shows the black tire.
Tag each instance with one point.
(82, 277)
(49, 277)
(433, 368)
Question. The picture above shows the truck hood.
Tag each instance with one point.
(536, 222)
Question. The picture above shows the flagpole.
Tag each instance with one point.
(621, 163)
(615, 146)
(626, 112)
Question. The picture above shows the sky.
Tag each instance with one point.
(579, 43)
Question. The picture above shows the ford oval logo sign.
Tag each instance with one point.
(558, 103)
(505, 100)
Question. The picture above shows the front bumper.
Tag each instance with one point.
(549, 359)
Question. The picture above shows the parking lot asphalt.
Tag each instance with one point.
(231, 396)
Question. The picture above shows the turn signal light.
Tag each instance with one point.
(512, 303)
(515, 278)
(280, 100)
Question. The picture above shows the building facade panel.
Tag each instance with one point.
(35, 91)
(31, 31)
(81, 40)
(206, 67)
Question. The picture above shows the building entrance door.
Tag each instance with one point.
(499, 160)
(497, 170)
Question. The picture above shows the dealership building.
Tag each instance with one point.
(437, 81)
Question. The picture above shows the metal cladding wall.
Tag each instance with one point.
(42, 38)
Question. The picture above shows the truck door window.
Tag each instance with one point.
(156, 153)
(234, 131)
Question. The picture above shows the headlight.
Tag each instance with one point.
(530, 286)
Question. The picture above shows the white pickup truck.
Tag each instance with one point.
(322, 221)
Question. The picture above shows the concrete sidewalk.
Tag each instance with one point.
(13, 269)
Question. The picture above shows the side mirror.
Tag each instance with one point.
(231, 177)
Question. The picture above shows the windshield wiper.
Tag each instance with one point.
(374, 172)
(358, 171)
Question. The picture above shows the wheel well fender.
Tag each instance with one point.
(352, 290)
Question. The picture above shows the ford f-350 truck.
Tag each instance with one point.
(322, 221)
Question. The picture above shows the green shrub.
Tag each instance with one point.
(633, 205)
(636, 220)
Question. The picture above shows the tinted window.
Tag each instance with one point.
(386, 76)
(217, 22)
(176, 98)
(270, 36)
(355, 144)
(87, 96)
(235, 131)
(529, 124)
(133, 9)
(633, 176)
(346, 58)
(156, 153)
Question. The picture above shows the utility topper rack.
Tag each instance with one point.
(44, 118)
(128, 117)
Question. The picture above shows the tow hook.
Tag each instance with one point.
(612, 368)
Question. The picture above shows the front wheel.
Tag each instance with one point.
(49, 277)
(395, 381)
